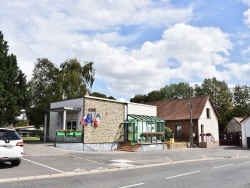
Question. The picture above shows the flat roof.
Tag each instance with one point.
(61, 109)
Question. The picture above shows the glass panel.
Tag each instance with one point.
(68, 125)
(74, 125)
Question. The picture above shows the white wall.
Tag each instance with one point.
(56, 118)
(245, 127)
(210, 124)
(142, 109)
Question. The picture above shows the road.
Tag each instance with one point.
(230, 172)
(46, 166)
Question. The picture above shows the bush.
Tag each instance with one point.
(168, 133)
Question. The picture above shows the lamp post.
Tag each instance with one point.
(191, 121)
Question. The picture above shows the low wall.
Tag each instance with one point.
(209, 144)
(70, 146)
(175, 146)
(100, 146)
(151, 147)
(87, 147)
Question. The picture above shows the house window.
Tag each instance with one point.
(208, 113)
(178, 130)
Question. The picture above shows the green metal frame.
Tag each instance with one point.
(134, 119)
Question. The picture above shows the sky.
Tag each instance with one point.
(137, 46)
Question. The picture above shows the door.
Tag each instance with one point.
(248, 142)
(129, 132)
(71, 125)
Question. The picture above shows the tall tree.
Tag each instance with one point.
(44, 90)
(74, 79)
(180, 90)
(241, 99)
(220, 94)
(13, 87)
(50, 84)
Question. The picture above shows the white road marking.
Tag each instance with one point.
(132, 185)
(122, 161)
(182, 175)
(43, 165)
(222, 166)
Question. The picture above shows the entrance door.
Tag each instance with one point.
(71, 125)
(129, 132)
(248, 142)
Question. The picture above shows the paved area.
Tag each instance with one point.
(138, 158)
(43, 160)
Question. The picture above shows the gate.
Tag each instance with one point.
(230, 138)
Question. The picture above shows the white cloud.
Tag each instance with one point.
(94, 31)
(240, 71)
(246, 18)
(197, 51)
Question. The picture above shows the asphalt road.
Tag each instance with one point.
(230, 172)
(46, 166)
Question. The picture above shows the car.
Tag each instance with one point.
(11, 146)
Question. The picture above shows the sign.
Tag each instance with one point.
(92, 110)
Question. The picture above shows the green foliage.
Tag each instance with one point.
(140, 99)
(229, 103)
(50, 83)
(168, 133)
(96, 94)
(13, 88)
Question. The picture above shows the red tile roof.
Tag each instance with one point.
(179, 109)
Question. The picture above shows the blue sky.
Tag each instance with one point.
(137, 46)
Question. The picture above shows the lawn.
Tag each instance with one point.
(31, 139)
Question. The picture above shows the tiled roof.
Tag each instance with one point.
(179, 109)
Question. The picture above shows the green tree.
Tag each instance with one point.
(180, 90)
(96, 94)
(50, 84)
(240, 102)
(221, 96)
(13, 87)
(75, 80)
(139, 98)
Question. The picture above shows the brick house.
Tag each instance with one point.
(177, 116)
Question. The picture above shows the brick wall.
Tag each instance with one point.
(185, 129)
(112, 116)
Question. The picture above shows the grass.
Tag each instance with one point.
(31, 139)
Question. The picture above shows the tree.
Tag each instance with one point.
(75, 80)
(174, 91)
(220, 94)
(240, 102)
(13, 87)
(139, 98)
(96, 94)
(50, 84)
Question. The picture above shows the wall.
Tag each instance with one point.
(233, 126)
(112, 116)
(245, 127)
(185, 129)
(142, 109)
(210, 124)
(56, 118)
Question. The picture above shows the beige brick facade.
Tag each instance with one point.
(110, 128)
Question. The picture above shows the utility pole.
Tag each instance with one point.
(191, 121)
